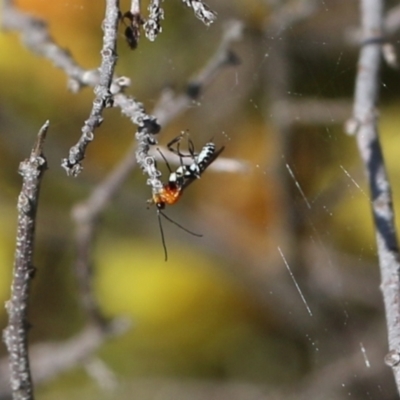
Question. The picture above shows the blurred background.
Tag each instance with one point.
(280, 297)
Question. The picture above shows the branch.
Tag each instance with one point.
(152, 27)
(169, 105)
(16, 333)
(202, 11)
(366, 121)
(278, 81)
(49, 360)
(104, 97)
(36, 37)
(87, 213)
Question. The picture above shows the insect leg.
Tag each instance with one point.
(166, 161)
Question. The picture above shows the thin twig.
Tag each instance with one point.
(86, 213)
(169, 105)
(366, 116)
(51, 359)
(103, 95)
(16, 333)
(278, 78)
(152, 26)
(36, 37)
(202, 11)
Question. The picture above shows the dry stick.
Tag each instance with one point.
(202, 11)
(170, 106)
(366, 116)
(36, 37)
(278, 80)
(104, 97)
(152, 27)
(86, 214)
(16, 333)
(50, 359)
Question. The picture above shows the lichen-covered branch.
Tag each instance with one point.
(87, 213)
(104, 97)
(50, 359)
(170, 105)
(366, 128)
(16, 334)
(152, 26)
(202, 11)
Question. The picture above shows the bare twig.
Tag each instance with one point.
(16, 333)
(38, 40)
(36, 37)
(278, 81)
(49, 360)
(86, 214)
(202, 11)
(392, 20)
(152, 26)
(169, 105)
(101, 374)
(365, 113)
(104, 97)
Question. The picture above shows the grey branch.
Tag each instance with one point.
(103, 95)
(169, 105)
(49, 360)
(87, 213)
(202, 11)
(366, 117)
(36, 37)
(152, 26)
(16, 334)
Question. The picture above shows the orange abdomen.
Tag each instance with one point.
(168, 195)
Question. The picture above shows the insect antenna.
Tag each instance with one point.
(179, 225)
(159, 212)
(162, 235)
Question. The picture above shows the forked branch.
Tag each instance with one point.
(365, 126)
(16, 334)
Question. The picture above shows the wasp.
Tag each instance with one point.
(179, 180)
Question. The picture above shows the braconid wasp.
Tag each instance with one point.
(179, 180)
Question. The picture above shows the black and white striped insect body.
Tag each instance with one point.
(187, 173)
(200, 163)
(180, 179)
(203, 158)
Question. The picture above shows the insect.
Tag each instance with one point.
(180, 179)
(132, 30)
